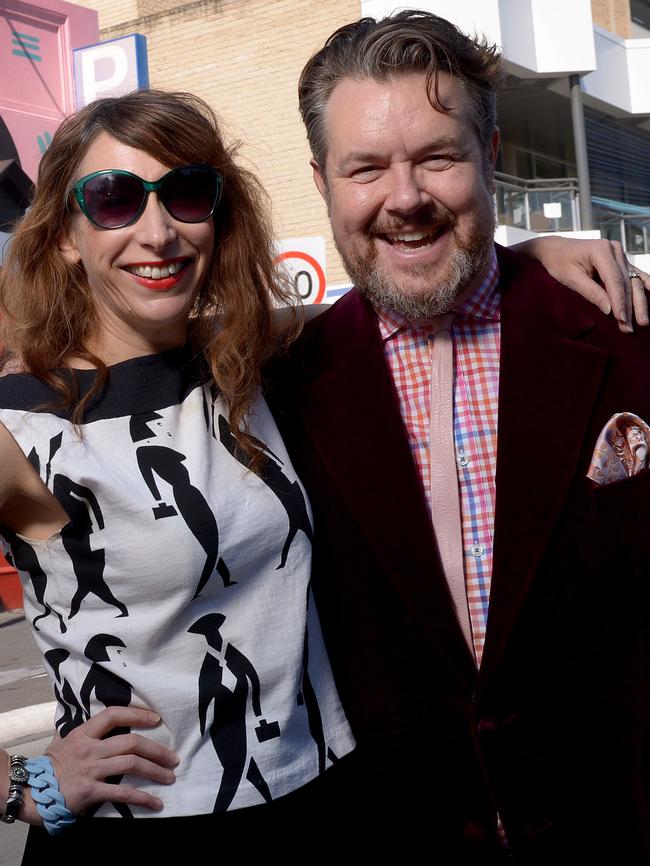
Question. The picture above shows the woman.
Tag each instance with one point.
(148, 501)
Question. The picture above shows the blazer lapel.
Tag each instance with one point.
(548, 385)
(351, 412)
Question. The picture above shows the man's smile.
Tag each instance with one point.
(412, 240)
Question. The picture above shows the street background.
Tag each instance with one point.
(26, 711)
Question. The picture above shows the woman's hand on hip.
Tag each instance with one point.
(83, 760)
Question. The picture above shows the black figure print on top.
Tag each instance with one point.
(206, 411)
(55, 444)
(288, 492)
(167, 465)
(307, 697)
(110, 690)
(24, 558)
(228, 727)
(34, 460)
(73, 713)
(82, 506)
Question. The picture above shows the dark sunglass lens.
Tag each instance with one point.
(190, 194)
(113, 200)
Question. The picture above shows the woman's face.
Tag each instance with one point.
(137, 312)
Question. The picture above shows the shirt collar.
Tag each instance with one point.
(483, 304)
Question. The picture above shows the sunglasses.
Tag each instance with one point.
(113, 199)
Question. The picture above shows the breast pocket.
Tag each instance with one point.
(623, 514)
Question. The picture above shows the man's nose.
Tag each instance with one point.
(406, 193)
(155, 228)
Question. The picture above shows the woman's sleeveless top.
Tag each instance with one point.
(181, 583)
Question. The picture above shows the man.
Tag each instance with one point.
(488, 629)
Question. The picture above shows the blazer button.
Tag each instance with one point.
(487, 727)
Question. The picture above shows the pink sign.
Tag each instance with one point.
(36, 43)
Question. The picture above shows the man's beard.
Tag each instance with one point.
(460, 269)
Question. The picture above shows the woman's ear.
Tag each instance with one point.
(68, 247)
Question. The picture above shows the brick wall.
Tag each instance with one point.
(613, 15)
(112, 12)
(244, 58)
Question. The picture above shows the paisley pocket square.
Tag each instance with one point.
(622, 449)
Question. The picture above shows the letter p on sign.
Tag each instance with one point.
(110, 68)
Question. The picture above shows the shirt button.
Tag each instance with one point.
(462, 459)
(478, 551)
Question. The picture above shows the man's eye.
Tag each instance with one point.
(438, 160)
(366, 172)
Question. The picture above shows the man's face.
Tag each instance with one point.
(409, 192)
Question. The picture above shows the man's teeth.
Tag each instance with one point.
(156, 273)
(409, 236)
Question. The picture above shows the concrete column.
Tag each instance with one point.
(580, 142)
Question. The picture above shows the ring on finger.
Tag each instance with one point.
(634, 275)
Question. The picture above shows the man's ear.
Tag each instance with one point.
(319, 180)
(69, 248)
(491, 153)
(493, 150)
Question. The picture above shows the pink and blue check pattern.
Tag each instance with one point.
(476, 334)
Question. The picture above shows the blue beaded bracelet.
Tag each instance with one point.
(50, 804)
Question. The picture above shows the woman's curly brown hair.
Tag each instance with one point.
(49, 314)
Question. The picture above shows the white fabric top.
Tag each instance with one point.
(180, 583)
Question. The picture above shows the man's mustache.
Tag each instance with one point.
(426, 218)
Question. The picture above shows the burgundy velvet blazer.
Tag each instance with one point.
(553, 732)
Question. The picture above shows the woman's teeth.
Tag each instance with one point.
(153, 272)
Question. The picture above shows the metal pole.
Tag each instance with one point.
(526, 210)
(580, 142)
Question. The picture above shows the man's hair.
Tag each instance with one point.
(49, 312)
(404, 43)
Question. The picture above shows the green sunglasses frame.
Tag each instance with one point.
(148, 186)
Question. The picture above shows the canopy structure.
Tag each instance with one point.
(622, 208)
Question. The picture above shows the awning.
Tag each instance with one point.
(621, 207)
